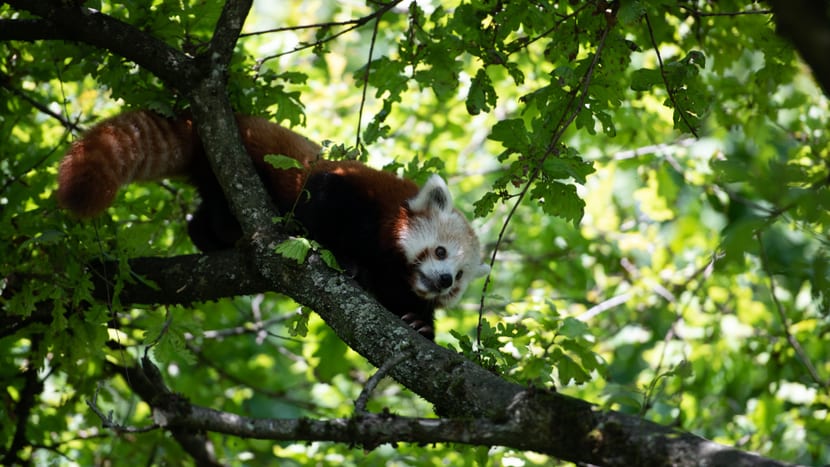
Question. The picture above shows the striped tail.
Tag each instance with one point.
(133, 146)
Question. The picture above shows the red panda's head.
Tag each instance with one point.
(441, 249)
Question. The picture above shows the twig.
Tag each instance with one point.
(5, 82)
(697, 13)
(524, 42)
(366, 81)
(785, 324)
(108, 422)
(164, 328)
(254, 327)
(666, 80)
(363, 399)
(605, 306)
(33, 166)
(659, 149)
(353, 24)
(223, 372)
(566, 121)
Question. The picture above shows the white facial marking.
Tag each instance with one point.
(440, 246)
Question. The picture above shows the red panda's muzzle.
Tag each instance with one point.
(440, 287)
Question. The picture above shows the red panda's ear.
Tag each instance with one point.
(434, 196)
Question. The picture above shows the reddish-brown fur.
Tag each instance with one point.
(142, 146)
(130, 146)
(364, 216)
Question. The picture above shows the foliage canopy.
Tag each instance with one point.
(651, 180)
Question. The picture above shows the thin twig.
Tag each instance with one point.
(5, 83)
(280, 394)
(573, 107)
(666, 80)
(696, 13)
(353, 24)
(363, 399)
(366, 81)
(785, 324)
(524, 42)
(108, 422)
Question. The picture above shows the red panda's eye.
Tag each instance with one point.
(440, 252)
(458, 276)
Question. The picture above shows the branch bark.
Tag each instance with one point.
(806, 23)
(180, 280)
(71, 21)
(147, 382)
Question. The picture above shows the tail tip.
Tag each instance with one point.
(83, 190)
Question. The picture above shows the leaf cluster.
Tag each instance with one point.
(650, 178)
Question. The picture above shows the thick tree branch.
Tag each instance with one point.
(28, 30)
(215, 122)
(368, 430)
(146, 381)
(807, 25)
(564, 427)
(70, 21)
(180, 280)
(32, 388)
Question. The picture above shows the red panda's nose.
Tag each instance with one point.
(445, 280)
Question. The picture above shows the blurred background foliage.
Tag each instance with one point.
(658, 221)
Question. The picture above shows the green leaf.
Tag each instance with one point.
(570, 371)
(486, 204)
(330, 354)
(559, 199)
(644, 79)
(297, 323)
(387, 76)
(329, 259)
(630, 12)
(573, 328)
(565, 167)
(295, 248)
(166, 334)
(481, 96)
(282, 162)
(512, 134)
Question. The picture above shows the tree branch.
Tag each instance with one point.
(806, 24)
(180, 280)
(669, 89)
(69, 21)
(146, 381)
(29, 30)
(563, 427)
(214, 120)
(370, 430)
(32, 387)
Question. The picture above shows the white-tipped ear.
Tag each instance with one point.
(482, 270)
(434, 196)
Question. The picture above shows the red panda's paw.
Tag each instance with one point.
(423, 328)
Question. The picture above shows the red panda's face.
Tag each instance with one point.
(441, 249)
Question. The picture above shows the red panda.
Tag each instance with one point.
(408, 247)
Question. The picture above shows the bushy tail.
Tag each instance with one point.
(132, 146)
